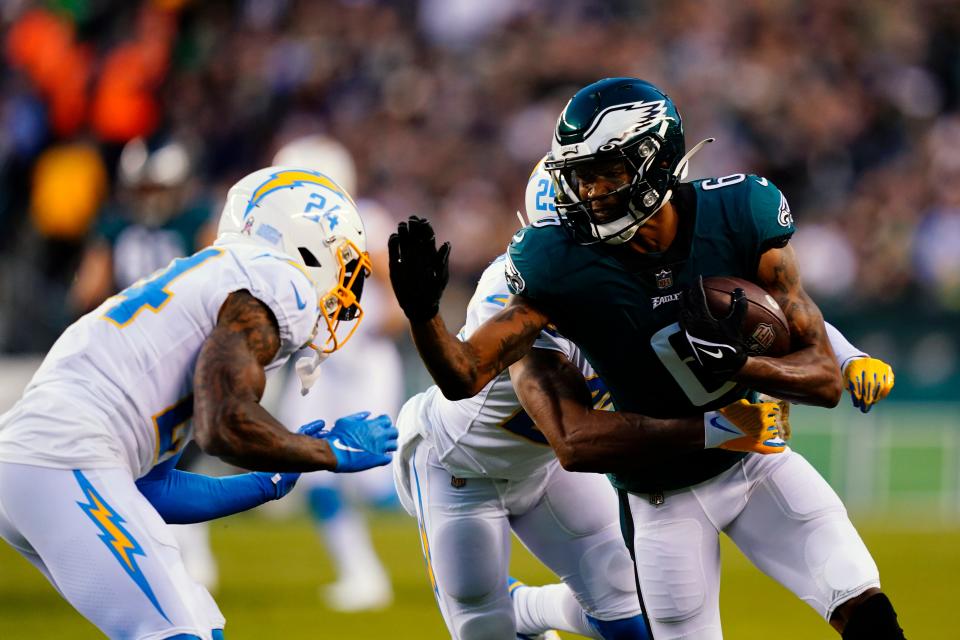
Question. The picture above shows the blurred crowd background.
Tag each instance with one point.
(122, 124)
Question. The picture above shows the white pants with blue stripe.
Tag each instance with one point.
(105, 549)
(568, 520)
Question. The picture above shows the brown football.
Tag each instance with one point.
(764, 327)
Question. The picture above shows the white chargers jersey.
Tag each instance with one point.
(116, 390)
(490, 435)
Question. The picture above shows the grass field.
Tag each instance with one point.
(270, 572)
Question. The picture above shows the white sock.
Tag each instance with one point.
(552, 606)
(348, 542)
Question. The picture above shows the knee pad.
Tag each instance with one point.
(634, 628)
(465, 556)
(873, 619)
(606, 571)
(324, 502)
(835, 552)
(490, 626)
(673, 584)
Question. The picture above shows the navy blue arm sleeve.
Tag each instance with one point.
(181, 497)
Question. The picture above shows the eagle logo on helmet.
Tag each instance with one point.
(629, 120)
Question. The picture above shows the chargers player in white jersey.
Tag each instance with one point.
(87, 483)
(470, 470)
(370, 378)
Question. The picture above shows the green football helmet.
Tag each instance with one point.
(624, 123)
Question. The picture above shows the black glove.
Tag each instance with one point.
(418, 270)
(717, 343)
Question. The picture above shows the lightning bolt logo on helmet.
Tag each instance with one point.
(314, 225)
(293, 178)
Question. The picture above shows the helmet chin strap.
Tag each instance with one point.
(618, 229)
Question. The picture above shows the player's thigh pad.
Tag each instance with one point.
(106, 550)
(465, 537)
(677, 553)
(796, 529)
(575, 531)
(410, 423)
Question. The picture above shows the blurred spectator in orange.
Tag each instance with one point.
(42, 43)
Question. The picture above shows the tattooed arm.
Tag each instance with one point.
(809, 374)
(462, 369)
(227, 386)
(555, 396)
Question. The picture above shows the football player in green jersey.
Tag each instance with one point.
(619, 272)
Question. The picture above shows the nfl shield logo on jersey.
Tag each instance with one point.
(664, 279)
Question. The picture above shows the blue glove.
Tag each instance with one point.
(283, 483)
(313, 429)
(360, 443)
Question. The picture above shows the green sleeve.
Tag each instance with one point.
(769, 223)
(530, 262)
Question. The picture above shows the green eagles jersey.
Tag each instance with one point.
(621, 308)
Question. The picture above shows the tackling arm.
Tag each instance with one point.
(181, 497)
(809, 374)
(228, 384)
(554, 394)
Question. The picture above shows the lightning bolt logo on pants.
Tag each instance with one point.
(118, 540)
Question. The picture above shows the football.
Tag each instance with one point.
(764, 326)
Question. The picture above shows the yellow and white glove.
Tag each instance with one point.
(744, 426)
(868, 380)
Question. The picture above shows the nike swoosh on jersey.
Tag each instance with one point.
(715, 422)
(339, 445)
(300, 303)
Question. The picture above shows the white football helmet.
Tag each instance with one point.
(321, 152)
(540, 194)
(307, 216)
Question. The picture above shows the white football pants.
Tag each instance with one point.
(568, 520)
(781, 514)
(105, 549)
